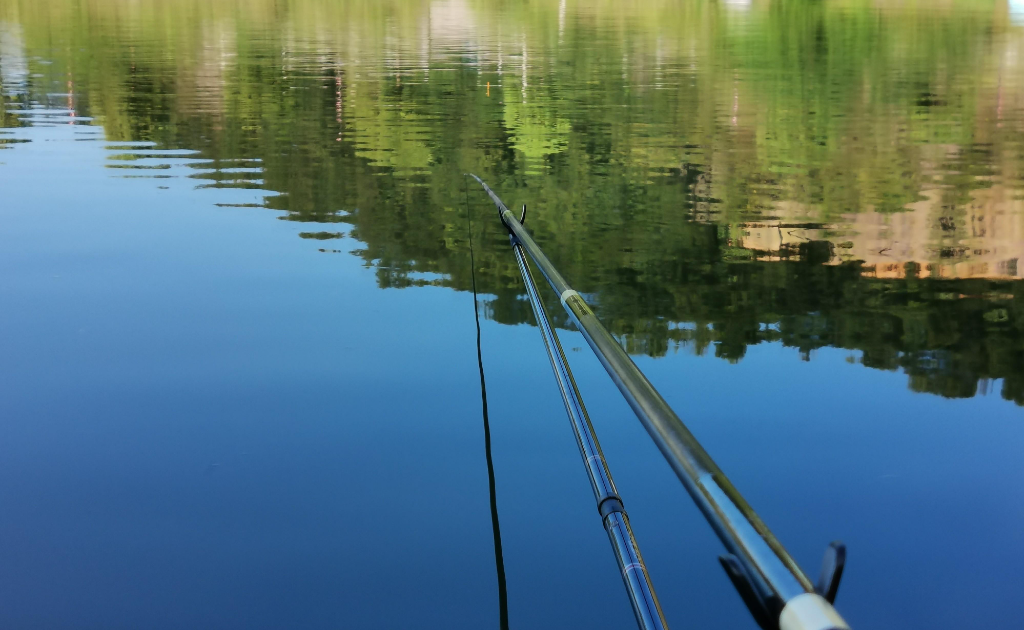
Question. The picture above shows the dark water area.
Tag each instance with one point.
(237, 342)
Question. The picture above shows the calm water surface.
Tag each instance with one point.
(238, 380)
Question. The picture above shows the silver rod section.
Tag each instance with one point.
(784, 594)
(609, 504)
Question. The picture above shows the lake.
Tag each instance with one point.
(237, 344)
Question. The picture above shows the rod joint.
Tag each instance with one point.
(609, 504)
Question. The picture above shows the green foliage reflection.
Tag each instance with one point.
(712, 175)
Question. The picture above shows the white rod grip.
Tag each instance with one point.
(810, 611)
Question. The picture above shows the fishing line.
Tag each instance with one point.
(499, 559)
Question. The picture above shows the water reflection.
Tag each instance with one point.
(712, 175)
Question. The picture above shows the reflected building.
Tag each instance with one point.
(200, 90)
(986, 240)
(968, 218)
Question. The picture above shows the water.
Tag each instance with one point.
(239, 367)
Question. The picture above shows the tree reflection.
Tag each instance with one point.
(816, 174)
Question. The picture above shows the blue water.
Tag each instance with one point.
(209, 423)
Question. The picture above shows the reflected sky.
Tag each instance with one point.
(239, 374)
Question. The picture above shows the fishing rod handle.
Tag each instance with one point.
(810, 611)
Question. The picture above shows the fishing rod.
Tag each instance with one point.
(776, 591)
(609, 504)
